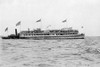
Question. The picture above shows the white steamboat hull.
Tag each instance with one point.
(51, 37)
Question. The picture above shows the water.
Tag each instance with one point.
(50, 53)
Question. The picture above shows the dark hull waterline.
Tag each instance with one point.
(46, 37)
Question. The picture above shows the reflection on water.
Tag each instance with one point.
(50, 53)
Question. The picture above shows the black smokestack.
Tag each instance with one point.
(16, 32)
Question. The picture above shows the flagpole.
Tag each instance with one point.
(82, 28)
(6, 30)
(66, 23)
(19, 23)
(7, 33)
(20, 28)
(41, 25)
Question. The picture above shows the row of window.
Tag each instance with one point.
(68, 31)
(63, 31)
(50, 33)
(47, 34)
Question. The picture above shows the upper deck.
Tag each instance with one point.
(49, 32)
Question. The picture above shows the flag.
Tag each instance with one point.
(48, 26)
(64, 21)
(82, 27)
(38, 20)
(6, 29)
(18, 23)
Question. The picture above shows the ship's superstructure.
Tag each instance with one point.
(52, 34)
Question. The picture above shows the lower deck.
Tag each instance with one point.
(54, 37)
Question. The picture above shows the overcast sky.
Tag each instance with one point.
(78, 13)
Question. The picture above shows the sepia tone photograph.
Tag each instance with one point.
(49, 33)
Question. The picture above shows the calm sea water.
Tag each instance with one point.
(50, 53)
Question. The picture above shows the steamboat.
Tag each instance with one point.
(39, 34)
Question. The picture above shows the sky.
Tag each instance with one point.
(78, 13)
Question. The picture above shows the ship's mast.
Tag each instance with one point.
(65, 21)
(41, 25)
(40, 22)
